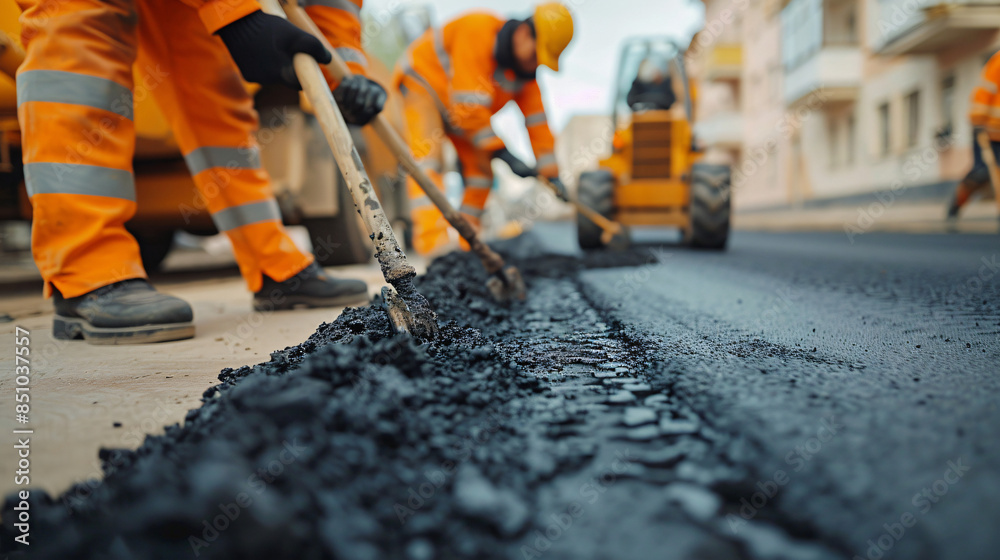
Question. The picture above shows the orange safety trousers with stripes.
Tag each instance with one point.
(75, 92)
(427, 135)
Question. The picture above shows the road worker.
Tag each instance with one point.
(453, 79)
(75, 89)
(984, 113)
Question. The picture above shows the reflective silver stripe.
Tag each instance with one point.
(419, 202)
(472, 98)
(535, 118)
(245, 214)
(509, 86)
(69, 178)
(484, 135)
(994, 112)
(442, 54)
(208, 157)
(350, 54)
(471, 210)
(406, 66)
(988, 86)
(546, 159)
(345, 5)
(57, 86)
(479, 182)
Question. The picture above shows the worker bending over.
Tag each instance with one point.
(453, 80)
(75, 88)
(984, 113)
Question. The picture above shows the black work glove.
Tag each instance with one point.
(519, 168)
(561, 191)
(359, 99)
(263, 47)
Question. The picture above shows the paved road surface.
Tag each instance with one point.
(866, 375)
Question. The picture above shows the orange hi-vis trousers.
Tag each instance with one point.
(75, 92)
(427, 133)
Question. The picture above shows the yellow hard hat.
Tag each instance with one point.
(553, 31)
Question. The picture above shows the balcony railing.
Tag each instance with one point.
(927, 26)
(831, 74)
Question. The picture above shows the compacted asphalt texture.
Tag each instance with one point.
(798, 396)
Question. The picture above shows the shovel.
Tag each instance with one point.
(613, 235)
(505, 282)
(408, 311)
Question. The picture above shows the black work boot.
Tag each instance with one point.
(126, 312)
(312, 287)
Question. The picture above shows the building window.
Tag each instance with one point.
(913, 119)
(948, 103)
(883, 132)
(801, 31)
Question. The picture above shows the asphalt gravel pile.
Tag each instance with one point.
(353, 444)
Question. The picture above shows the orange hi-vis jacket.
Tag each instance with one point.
(985, 107)
(457, 63)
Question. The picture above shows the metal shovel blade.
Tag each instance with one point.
(619, 241)
(399, 313)
(507, 285)
(422, 325)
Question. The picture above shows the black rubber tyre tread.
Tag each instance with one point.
(596, 190)
(710, 206)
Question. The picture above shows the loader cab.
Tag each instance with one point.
(650, 60)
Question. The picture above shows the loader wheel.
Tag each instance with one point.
(340, 240)
(596, 189)
(710, 190)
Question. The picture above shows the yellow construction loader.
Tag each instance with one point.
(653, 176)
(309, 188)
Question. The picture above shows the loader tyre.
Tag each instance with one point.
(341, 239)
(710, 196)
(596, 190)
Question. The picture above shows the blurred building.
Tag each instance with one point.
(818, 100)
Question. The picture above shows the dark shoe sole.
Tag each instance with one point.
(300, 301)
(74, 328)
